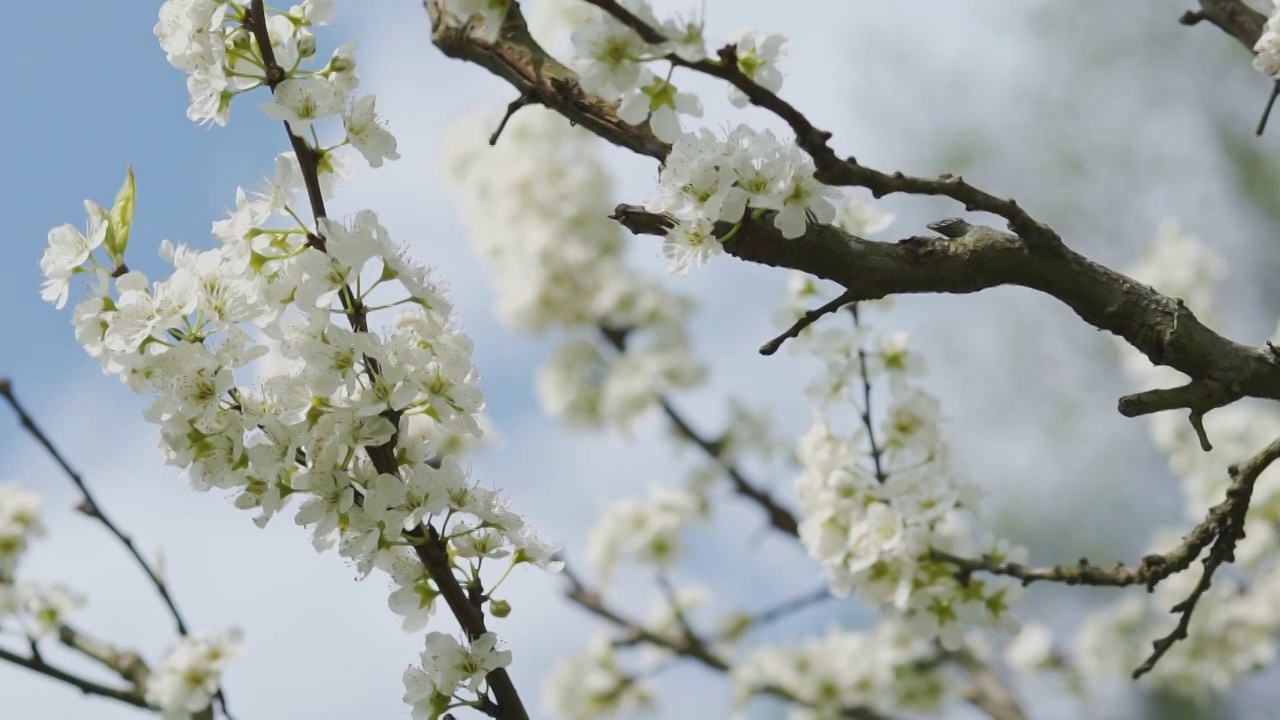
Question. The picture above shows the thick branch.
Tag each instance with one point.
(1034, 257)
(540, 78)
(1234, 17)
(1161, 327)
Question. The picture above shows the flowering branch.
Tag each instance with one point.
(1222, 371)
(429, 546)
(515, 57)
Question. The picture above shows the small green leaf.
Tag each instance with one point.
(121, 219)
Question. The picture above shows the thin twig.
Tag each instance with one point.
(526, 98)
(91, 506)
(779, 516)
(88, 687)
(690, 646)
(1229, 516)
(788, 607)
(1266, 112)
(986, 691)
(803, 322)
(877, 453)
(135, 669)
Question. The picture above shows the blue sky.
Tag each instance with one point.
(1031, 391)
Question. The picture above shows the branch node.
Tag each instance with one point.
(951, 227)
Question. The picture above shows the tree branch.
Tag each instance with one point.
(780, 517)
(88, 687)
(428, 545)
(804, 322)
(518, 59)
(90, 505)
(1232, 16)
(986, 691)
(1229, 517)
(1033, 256)
(1160, 327)
(691, 646)
(127, 664)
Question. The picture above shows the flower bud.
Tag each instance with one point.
(306, 45)
(499, 608)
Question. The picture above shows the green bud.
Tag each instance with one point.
(121, 219)
(306, 46)
(499, 608)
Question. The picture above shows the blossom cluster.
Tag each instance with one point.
(880, 499)
(886, 670)
(557, 261)
(1267, 49)
(190, 674)
(707, 179)
(650, 532)
(612, 59)
(267, 375)
(595, 684)
(35, 609)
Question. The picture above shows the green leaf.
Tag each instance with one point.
(122, 219)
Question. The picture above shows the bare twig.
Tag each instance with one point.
(128, 664)
(877, 452)
(512, 108)
(88, 687)
(780, 517)
(1229, 517)
(793, 605)
(805, 321)
(1223, 520)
